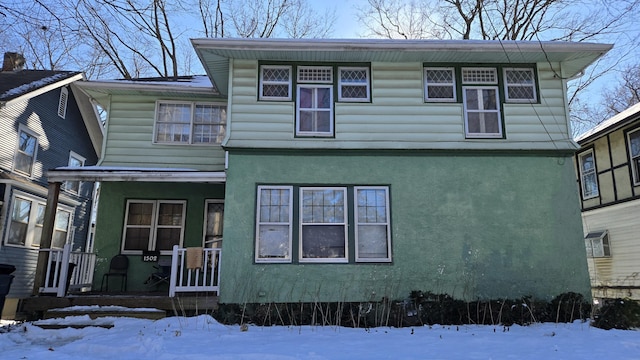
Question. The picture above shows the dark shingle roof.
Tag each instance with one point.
(17, 83)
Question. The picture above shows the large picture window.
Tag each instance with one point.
(27, 219)
(322, 232)
(634, 155)
(153, 225)
(274, 218)
(190, 123)
(588, 175)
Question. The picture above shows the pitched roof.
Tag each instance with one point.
(611, 124)
(16, 84)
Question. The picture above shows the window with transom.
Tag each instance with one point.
(190, 123)
(314, 101)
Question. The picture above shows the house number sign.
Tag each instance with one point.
(150, 256)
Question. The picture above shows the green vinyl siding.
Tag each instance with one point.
(397, 117)
(129, 139)
(472, 225)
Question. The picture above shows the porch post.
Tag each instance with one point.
(47, 234)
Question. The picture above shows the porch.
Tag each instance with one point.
(69, 281)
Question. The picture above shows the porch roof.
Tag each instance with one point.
(110, 173)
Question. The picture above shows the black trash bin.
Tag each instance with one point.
(5, 282)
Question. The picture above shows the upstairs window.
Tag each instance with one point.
(519, 85)
(275, 82)
(153, 225)
(588, 175)
(314, 101)
(353, 84)
(482, 112)
(62, 104)
(75, 160)
(439, 85)
(597, 244)
(190, 123)
(26, 152)
(634, 155)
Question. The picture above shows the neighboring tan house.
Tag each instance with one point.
(350, 170)
(609, 179)
(45, 122)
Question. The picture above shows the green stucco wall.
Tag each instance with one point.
(110, 221)
(487, 226)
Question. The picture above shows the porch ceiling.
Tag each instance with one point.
(106, 174)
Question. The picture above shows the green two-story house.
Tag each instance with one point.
(352, 170)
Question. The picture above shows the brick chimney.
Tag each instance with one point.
(13, 61)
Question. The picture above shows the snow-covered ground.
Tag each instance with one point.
(201, 337)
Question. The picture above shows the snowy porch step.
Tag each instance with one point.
(83, 316)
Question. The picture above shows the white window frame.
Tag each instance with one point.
(452, 84)
(69, 185)
(260, 224)
(497, 111)
(531, 85)
(26, 130)
(264, 83)
(300, 71)
(193, 105)
(32, 222)
(62, 103)
(599, 240)
(154, 226)
(634, 159)
(344, 223)
(487, 70)
(584, 174)
(358, 224)
(366, 85)
(330, 110)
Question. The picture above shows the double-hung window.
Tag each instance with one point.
(597, 244)
(372, 224)
(153, 225)
(322, 219)
(519, 85)
(314, 101)
(75, 160)
(481, 103)
(26, 152)
(588, 175)
(27, 220)
(274, 223)
(439, 84)
(323, 224)
(634, 155)
(189, 123)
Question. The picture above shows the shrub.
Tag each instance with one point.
(618, 314)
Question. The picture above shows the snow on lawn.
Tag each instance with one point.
(201, 337)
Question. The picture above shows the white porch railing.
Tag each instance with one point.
(62, 264)
(206, 278)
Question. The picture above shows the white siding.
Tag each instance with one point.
(623, 267)
(397, 117)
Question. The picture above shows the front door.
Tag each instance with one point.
(214, 215)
